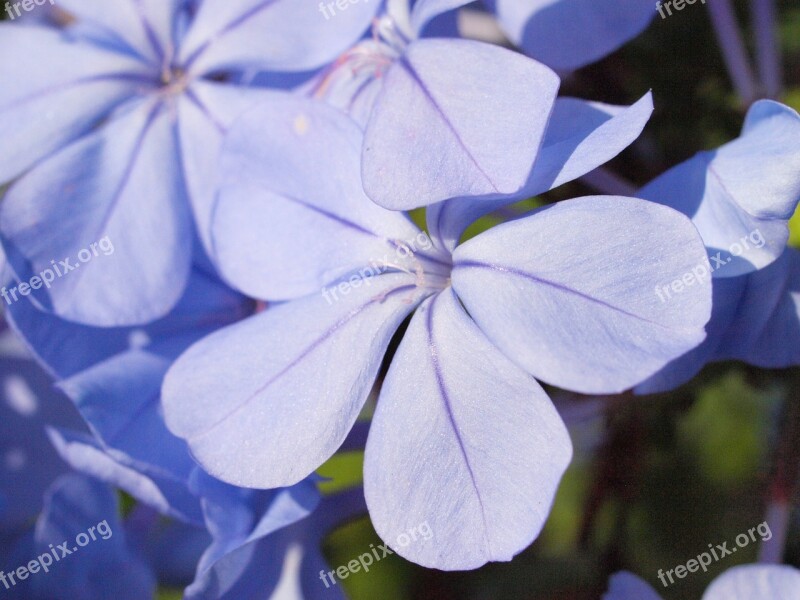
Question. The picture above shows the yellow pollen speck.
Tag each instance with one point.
(301, 125)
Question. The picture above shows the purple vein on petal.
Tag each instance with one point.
(410, 69)
(233, 25)
(125, 178)
(132, 77)
(437, 369)
(308, 350)
(334, 217)
(206, 111)
(553, 284)
(150, 32)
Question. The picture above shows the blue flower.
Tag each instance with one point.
(569, 34)
(446, 118)
(111, 129)
(746, 582)
(741, 197)
(464, 438)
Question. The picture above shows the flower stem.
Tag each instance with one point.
(783, 484)
(767, 47)
(733, 50)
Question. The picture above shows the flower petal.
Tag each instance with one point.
(432, 136)
(760, 168)
(292, 215)
(553, 287)
(61, 89)
(464, 443)
(205, 114)
(271, 35)
(768, 313)
(146, 26)
(120, 186)
(68, 348)
(741, 196)
(568, 34)
(120, 400)
(749, 582)
(580, 137)
(235, 567)
(627, 586)
(727, 294)
(152, 486)
(425, 11)
(266, 401)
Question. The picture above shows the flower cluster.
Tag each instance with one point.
(249, 158)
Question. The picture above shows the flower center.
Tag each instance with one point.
(419, 257)
(354, 70)
(174, 80)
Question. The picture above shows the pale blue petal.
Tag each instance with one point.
(121, 184)
(205, 113)
(288, 221)
(627, 586)
(119, 399)
(551, 288)
(67, 348)
(61, 88)
(146, 26)
(740, 196)
(432, 136)
(767, 324)
(580, 137)
(583, 135)
(755, 582)
(426, 10)
(271, 35)
(154, 487)
(761, 169)
(466, 450)
(727, 294)
(249, 565)
(568, 34)
(266, 401)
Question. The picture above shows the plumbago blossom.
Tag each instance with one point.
(477, 111)
(235, 543)
(740, 197)
(464, 437)
(111, 128)
(568, 34)
(746, 582)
